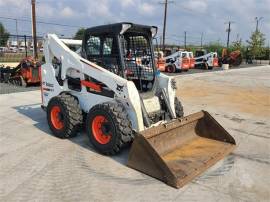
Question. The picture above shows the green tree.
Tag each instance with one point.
(214, 47)
(4, 35)
(79, 34)
(237, 45)
(256, 44)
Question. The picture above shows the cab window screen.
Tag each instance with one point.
(93, 45)
(138, 57)
(107, 46)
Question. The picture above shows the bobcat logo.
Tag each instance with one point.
(119, 88)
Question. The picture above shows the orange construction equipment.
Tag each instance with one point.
(233, 58)
(160, 61)
(26, 73)
(177, 62)
(191, 60)
(185, 63)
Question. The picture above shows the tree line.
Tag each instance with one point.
(255, 47)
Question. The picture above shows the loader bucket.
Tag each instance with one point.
(178, 151)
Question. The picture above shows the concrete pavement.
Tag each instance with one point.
(36, 166)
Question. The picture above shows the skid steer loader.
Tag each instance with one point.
(206, 60)
(177, 62)
(113, 88)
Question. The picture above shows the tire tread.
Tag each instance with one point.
(122, 125)
(73, 114)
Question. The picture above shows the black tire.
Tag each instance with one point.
(171, 68)
(119, 127)
(206, 67)
(179, 110)
(22, 82)
(15, 82)
(71, 115)
(237, 61)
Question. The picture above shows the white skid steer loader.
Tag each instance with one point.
(177, 62)
(111, 86)
(206, 60)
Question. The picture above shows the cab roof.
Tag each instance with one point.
(117, 28)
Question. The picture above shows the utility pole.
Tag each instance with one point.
(201, 40)
(237, 37)
(185, 40)
(34, 28)
(229, 32)
(165, 21)
(25, 46)
(258, 19)
(268, 52)
(16, 21)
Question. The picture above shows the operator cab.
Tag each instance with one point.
(199, 53)
(124, 49)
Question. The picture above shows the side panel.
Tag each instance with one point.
(49, 84)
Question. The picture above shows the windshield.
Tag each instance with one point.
(199, 53)
(184, 55)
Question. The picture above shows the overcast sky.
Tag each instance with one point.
(192, 16)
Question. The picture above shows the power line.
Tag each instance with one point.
(40, 22)
(25, 32)
(180, 5)
(182, 36)
(23, 35)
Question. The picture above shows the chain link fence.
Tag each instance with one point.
(16, 47)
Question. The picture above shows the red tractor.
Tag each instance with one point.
(26, 73)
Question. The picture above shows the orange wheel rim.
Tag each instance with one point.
(99, 135)
(56, 118)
